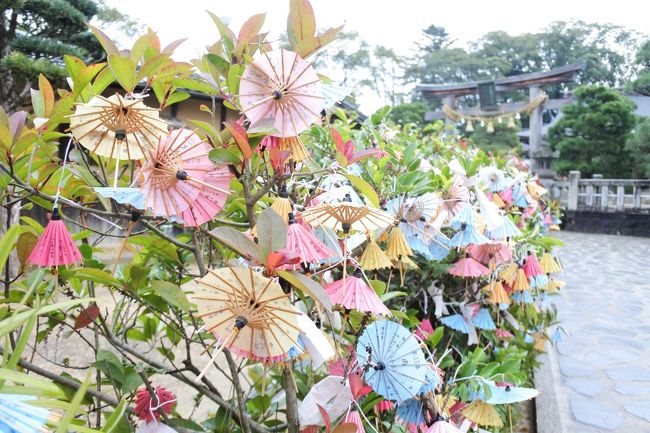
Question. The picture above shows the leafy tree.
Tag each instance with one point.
(592, 133)
(642, 83)
(35, 35)
(500, 142)
(435, 39)
(411, 112)
(638, 149)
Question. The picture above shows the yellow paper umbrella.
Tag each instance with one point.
(508, 274)
(549, 264)
(404, 264)
(479, 222)
(496, 198)
(374, 258)
(247, 312)
(282, 205)
(521, 281)
(482, 413)
(397, 246)
(536, 190)
(116, 127)
(498, 294)
(554, 285)
(347, 216)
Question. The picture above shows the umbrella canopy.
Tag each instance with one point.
(247, 312)
(494, 253)
(55, 247)
(332, 393)
(178, 175)
(482, 413)
(302, 241)
(116, 127)
(353, 293)
(347, 216)
(395, 365)
(506, 393)
(442, 426)
(280, 85)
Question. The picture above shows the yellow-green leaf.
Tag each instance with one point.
(366, 189)
(123, 70)
(108, 45)
(301, 23)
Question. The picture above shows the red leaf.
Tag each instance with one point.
(357, 387)
(281, 258)
(241, 138)
(366, 153)
(278, 158)
(338, 140)
(87, 316)
(326, 418)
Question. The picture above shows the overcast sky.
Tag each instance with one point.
(393, 23)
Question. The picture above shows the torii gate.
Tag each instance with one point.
(540, 155)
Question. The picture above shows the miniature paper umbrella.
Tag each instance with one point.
(394, 363)
(353, 293)
(332, 393)
(281, 86)
(246, 312)
(115, 127)
(55, 247)
(302, 241)
(442, 426)
(178, 175)
(346, 216)
(506, 393)
(17, 416)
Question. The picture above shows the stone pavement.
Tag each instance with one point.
(598, 378)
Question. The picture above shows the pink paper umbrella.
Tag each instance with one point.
(283, 87)
(175, 174)
(492, 253)
(55, 247)
(210, 201)
(532, 267)
(354, 418)
(468, 267)
(353, 293)
(302, 241)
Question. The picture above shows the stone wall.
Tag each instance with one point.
(619, 223)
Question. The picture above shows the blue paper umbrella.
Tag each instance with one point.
(483, 320)
(506, 230)
(418, 246)
(16, 416)
(394, 363)
(131, 196)
(523, 297)
(539, 280)
(520, 195)
(467, 235)
(439, 248)
(558, 335)
(433, 380)
(463, 218)
(456, 322)
(411, 411)
(509, 394)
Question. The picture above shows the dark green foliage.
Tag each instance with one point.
(638, 147)
(408, 113)
(592, 134)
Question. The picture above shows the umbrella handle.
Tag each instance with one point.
(117, 163)
(233, 334)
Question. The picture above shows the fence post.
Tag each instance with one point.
(574, 180)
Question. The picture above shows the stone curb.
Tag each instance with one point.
(551, 405)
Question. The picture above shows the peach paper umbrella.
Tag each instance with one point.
(178, 175)
(246, 312)
(346, 216)
(353, 293)
(468, 267)
(118, 128)
(55, 247)
(490, 254)
(283, 87)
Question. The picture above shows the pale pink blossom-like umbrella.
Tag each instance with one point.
(302, 241)
(454, 197)
(178, 175)
(468, 267)
(210, 201)
(442, 426)
(492, 253)
(280, 85)
(502, 333)
(353, 293)
(354, 418)
(532, 267)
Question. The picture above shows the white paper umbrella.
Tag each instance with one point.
(332, 393)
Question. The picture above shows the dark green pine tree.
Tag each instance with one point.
(34, 37)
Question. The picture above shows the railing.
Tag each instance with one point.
(605, 195)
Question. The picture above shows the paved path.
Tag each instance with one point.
(602, 370)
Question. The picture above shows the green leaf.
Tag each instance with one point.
(108, 45)
(33, 383)
(8, 242)
(185, 424)
(124, 70)
(38, 103)
(176, 97)
(392, 295)
(366, 189)
(171, 293)
(307, 285)
(238, 242)
(271, 232)
(224, 156)
(435, 338)
(249, 30)
(234, 77)
(301, 23)
(219, 63)
(224, 31)
(91, 274)
(75, 405)
(114, 419)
